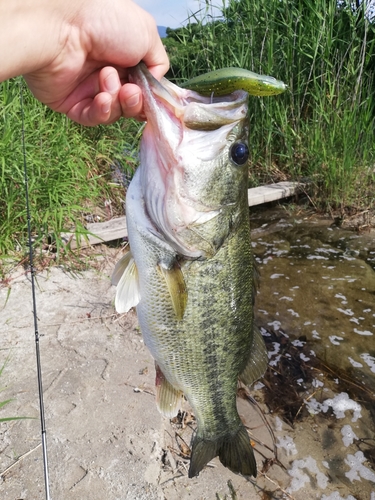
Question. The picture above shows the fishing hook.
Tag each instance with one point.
(36, 332)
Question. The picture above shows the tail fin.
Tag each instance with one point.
(235, 452)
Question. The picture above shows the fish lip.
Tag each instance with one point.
(151, 87)
(191, 109)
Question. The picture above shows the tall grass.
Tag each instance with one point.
(323, 127)
(69, 170)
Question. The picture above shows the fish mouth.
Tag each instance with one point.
(185, 131)
(195, 111)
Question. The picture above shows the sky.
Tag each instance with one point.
(173, 13)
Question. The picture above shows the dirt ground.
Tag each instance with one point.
(106, 439)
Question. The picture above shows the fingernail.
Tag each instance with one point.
(111, 82)
(106, 107)
(132, 101)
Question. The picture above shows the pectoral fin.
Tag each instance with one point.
(177, 288)
(168, 398)
(258, 361)
(125, 276)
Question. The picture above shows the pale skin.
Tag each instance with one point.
(74, 54)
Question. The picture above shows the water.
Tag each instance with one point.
(316, 309)
(318, 281)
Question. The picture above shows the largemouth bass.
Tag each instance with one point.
(190, 269)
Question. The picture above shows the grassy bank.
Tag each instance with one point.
(69, 170)
(322, 128)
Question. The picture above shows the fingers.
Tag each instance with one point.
(112, 100)
(95, 100)
(130, 97)
(102, 99)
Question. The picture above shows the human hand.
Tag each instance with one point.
(82, 51)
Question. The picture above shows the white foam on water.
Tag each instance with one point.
(369, 360)
(347, 278)
(357, 469)
(346, 257)
(266, 260)
(276, 347)
(348, 312)
(298, 343)
(363, 332)
(317, 383)
(278, 253)
(327, 250)
(334, 339)
(275, 324)
(300, 478)
(293, 313)
(355, 363)
(354, 320)
(339, 404)
(340, 296)
(275, 361)
(348, 435)
(289, 299)
(264, 332)
(315, 335)
(286, 443)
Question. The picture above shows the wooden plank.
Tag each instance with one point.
(115, 229)
(102, 232)
(272, 192)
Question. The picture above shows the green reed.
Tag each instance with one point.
(322, 128)
(69, 170)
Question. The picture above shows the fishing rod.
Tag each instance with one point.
(36, 331)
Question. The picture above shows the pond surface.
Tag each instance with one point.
(316, 310)
(318, 281)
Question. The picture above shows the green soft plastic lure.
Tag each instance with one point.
(227, 80)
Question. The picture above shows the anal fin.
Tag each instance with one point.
(258, 360)
(168, 399)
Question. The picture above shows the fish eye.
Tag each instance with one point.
(239, 153)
